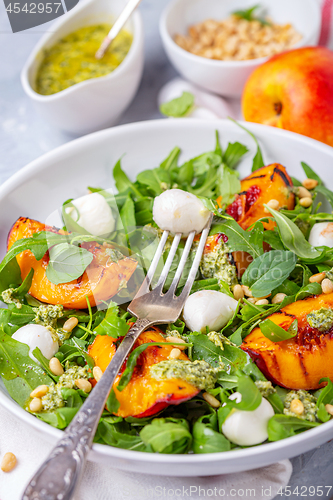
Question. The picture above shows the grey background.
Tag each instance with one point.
(24, 136)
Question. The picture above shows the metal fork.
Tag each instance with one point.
(59, 475)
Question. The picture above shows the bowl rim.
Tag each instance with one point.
(169, 41)
(40, 164)
(116, 73)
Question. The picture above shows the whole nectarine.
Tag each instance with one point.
(293, 91)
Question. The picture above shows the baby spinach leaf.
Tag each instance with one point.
(207, 440)
(283, 426)
(20, 374)
(307, 290)
(112, 403)
(276, 333)
(59, 418)
(119, 435)
(112, 324)
(268, 271)
(156, 180)
(22, 316)
(67, 263)
(167, 435)
(72, 398)
(70, 215)
(251, 397)
(178, 107)
(293, 238)
(258, 161)
(240, 240)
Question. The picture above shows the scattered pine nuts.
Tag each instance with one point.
(36, 405)
(306, 202)
(56, 367)
(262, 302)
(274, 204)
(238, 292)
(327, 286)
(70, 324)
(215, 403)
(317, 278)
(252, 300)
(83, 384)
(176, 340)
(329, 409)
(175, 353)
(310, 183)
(39, 392)
(97, 373)
(247, 291)
(296, 406)
(8, 462)
(302, 192)
(278, 298)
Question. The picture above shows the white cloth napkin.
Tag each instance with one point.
(101, 482)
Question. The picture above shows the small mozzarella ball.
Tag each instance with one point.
(37, 336)
(322, 234)
(247, 428)
(95, 214)
(180, 212)
(208, 308)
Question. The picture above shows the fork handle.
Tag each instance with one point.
(59, 475)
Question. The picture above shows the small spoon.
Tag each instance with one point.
(118, 25)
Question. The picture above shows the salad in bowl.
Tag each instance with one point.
(249, 360)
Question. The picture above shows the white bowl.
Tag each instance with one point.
(92, 104)
(43, 185)
(228, 78)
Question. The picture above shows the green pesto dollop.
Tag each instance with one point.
(7, 298)
(53, 399)
(216, 264)
(72, 59)
(309, 403)
(265, 388)
(198, 373)
(219, 339)
(321, 319)
(48, 315)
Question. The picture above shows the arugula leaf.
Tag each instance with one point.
(171, 162)
(156, 180)
(178, 107)
(325, 395)
(10, 275)
(251, 397)
(22, 316)
(167, 435)
(258, 161)
(67, 263)
(69, 221)
(208, 440)
(276, 333)
(234, 152)
(112, 402)
(127, 214)
(59, 418)
(119, 435)
(248, 15)
(269, 271)
(240, 240)
(283, 426)
(112, 324)
(307, 290)
(122, 181)
(24, 288)
(311, 174)
(293, 238)
(228, 184)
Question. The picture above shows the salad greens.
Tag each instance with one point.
(194, 425)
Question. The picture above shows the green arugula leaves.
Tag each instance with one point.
(276, 333)
(178, 107)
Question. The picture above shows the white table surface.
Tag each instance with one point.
(24, 136)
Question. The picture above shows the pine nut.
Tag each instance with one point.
(274, 204)
(175, 353)
(97, 373)
(303, 193)
(247, 291)
(8, 462)
(317, 278)
(262, 302)
(327, 286)
(55, 367)
(305, 202)
(70, 324)
(83, 384)
(36, 405)
(278, 298)
(39, 392)
(238, 292)
(252, 300)
(310, 183)
(176, 340)
(296, 406)
(215, 403)
(329, 409)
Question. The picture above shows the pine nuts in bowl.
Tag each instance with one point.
(189, 29)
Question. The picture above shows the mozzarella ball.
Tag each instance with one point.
(247, 428)
(208, 308)
(37, 336)
(180, 212)
(322, 234)
(95, 214)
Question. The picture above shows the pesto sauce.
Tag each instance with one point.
(216, 264)
(265, 388)
(72, 59)
(198, 373)
(48, 315)
(309, 402)
(219, 339)
(7, 298)
(321, 319)
(53, 399)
